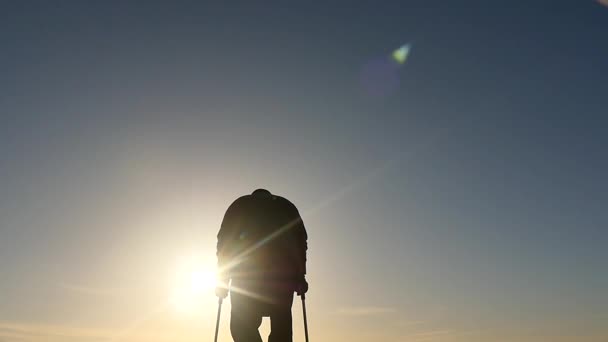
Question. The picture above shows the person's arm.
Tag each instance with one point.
(302, 287)
(300, 247)
(225, 238)
(302, 238)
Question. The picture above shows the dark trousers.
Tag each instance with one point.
(247, 313)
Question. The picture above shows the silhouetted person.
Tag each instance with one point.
(261, 249)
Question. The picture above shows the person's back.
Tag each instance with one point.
(262, 248)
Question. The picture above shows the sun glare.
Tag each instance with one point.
(194, 280)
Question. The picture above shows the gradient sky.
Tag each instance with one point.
(467, 203)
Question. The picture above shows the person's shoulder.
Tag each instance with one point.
(239, 202)
(241, 199)
(285, 202)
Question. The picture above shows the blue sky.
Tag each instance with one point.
(465, 203)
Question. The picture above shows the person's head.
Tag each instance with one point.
(261, 193)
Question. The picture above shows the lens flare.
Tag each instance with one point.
(400, 55)
(380, 76)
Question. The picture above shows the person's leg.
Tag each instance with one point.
(245, 320)
(281, 322)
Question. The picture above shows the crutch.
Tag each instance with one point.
(304, 313)
(219, 313)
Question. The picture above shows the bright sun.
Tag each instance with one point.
(193, 281)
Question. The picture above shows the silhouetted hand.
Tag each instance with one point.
(221, 292)
(301, 286)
